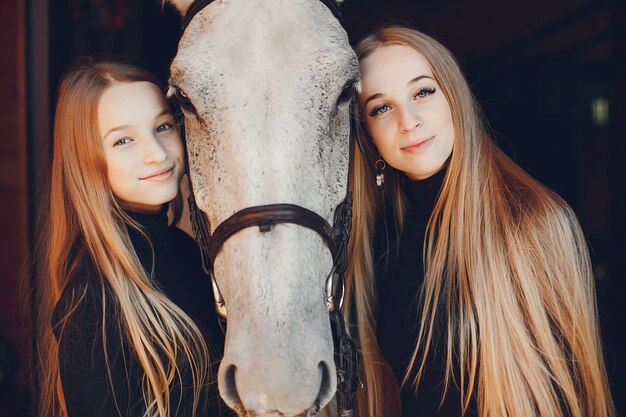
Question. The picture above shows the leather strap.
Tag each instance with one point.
(265, 217)
(193, 10)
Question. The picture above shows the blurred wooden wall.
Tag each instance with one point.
(14, 324)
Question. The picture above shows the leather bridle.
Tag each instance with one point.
(265, 217)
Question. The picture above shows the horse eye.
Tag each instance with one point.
(183, 101)
(347, 93)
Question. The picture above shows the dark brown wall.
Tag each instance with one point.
(617, 287)
(14, 326)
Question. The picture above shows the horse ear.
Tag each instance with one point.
(181, 5)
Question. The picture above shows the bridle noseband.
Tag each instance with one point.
(265, 217)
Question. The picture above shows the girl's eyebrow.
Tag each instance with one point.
(164, 112)
(116, 128)
(413, 81)
(416, 79)
(372, 97)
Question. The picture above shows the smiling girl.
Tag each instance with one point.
(470, 278)
(126, 309)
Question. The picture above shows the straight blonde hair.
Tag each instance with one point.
(506, 266)
(86, 226)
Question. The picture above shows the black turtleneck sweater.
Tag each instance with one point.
(178, 274)
(400, 276)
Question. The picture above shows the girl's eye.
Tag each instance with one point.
(383, 108)
(425, 92)
(122, 141)
(163, 127)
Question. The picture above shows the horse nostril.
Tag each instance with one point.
(327, 390)
(228, 387)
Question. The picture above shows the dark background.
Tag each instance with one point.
(539, 69)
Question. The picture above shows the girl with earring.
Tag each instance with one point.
(469, 278)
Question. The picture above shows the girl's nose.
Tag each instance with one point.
(154, 152)
(409, 118)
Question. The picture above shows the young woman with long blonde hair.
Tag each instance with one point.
(126, 312)
(469, 277)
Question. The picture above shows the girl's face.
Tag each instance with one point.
(406, 113)
(142, 145)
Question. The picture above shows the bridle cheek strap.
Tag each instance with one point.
(193, 10)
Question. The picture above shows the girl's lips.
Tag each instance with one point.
(418, 146)
(160, 175)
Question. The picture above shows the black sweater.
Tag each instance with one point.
(400, 276)
(84, 376)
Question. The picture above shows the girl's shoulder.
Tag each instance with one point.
(83, 303)
(185, 248)
(180, 239)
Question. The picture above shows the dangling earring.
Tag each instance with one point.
(380, 175)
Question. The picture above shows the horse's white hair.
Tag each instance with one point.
(264, 78)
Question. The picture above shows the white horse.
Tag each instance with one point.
(261, 85)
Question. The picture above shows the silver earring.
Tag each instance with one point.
(380, 166)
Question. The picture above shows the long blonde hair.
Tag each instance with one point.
(506, 265)
(85, 225)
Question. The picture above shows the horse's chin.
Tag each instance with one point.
(275, 414)
(329, 411)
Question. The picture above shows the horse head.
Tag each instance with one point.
(265, 87)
